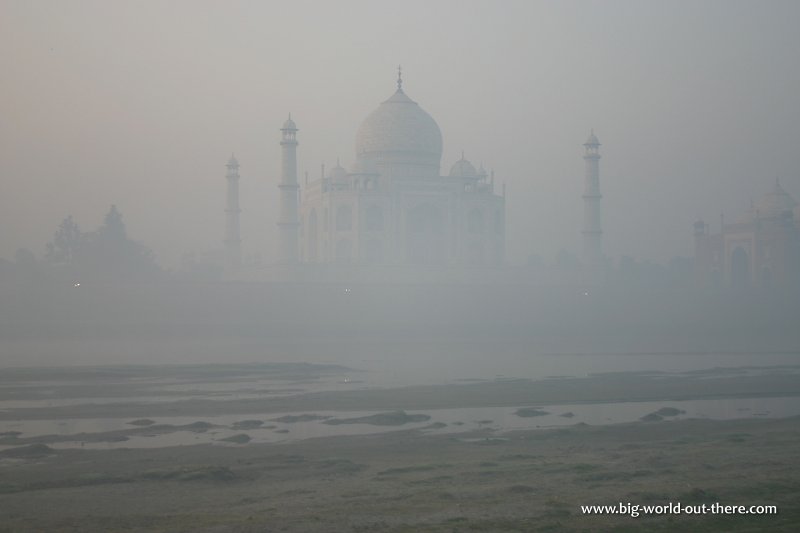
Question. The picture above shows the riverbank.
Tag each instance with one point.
(409, 481)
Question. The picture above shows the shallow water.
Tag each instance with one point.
(490, 420)
(414, 369)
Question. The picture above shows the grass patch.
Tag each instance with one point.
(517, 457)
(198, 473)
(737, 437)
(241, 438)
(697, 495)
(247, 424)
(670, 411)
(30, 451)
(431, 480)
(141, 422)
(411, 469)
(391, 418)
(530, 412)
(292, 419)
(342, 466)
(616, 476)
(521, 489)
(585, 467)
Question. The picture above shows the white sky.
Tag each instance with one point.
(140, 104)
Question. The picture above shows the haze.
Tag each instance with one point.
(562, 289)
(141, 104)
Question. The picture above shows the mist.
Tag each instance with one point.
(142, 105)
(398, 266)
(122, 117)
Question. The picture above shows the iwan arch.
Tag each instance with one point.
(393, 215)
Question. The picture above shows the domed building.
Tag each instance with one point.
(760, 248)
(393, 207)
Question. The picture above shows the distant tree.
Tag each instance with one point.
(113, 229)
(111, 254)
(105, 254)
(66, 243)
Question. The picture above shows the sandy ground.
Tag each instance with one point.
(408, 480)
(405, 481)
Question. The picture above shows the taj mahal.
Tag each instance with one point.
(394, 212)
(394, 216)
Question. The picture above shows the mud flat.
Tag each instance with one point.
(405, 479)
(408, 481)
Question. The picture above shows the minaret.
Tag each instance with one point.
(233, 241)
(592, 231)
(287, 222)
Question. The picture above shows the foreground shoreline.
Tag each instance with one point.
(411, 480)
(408, 481)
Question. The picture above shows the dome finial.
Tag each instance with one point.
(289, 125)
(399, 77)
(592, 140)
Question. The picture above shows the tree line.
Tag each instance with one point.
(106, 254)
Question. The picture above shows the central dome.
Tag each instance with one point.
(399, 131)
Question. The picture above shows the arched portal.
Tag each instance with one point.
(740, 267)
(425, 235)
